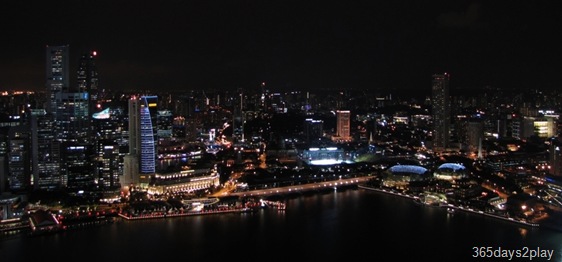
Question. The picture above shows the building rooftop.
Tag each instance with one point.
(413, 169)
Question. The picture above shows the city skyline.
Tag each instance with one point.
(288, 45)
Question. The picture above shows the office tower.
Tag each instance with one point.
(131, 160)
(87, 77)
(19, 170)
(77, 166)
(238, 118)
(72, 118)
(140, 162)
(441, 111)
(313, 129)
(148, 134)
(343, 129)
(45, 157)
(108, 168)
(165, 123)
(57, 73)
(72, 126)
(555, 156)
(474, 134)
(264, 102)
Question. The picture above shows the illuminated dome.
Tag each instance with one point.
(407, 169)
(450, 171)
(401, 176)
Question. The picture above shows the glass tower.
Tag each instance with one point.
(57, 66)
(148, 134)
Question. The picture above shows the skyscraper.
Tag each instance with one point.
(131, 159)
(45, 152)
(343, 131)
(555, 156)
(148, 134)
(313, 129)
(140, 162)
(72, 117)
(18, 158)
(441, 111)
(238, 117)
(57, 73)
(87, 77)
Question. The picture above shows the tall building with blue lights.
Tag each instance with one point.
(140, 162)
(148, 134)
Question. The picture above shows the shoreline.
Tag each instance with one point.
(185, 214)
(477, 212)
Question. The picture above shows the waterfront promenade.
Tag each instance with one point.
(455, 208)
(184, 214)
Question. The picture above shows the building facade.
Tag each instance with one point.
(441, 111)
(343, 128)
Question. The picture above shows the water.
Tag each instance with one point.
(350, 224)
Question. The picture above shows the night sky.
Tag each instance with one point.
(370, 45)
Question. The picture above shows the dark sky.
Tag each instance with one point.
(175, 45)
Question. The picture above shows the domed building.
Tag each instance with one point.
(450, 172)
(403, 177)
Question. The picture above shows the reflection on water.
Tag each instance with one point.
(323, 226)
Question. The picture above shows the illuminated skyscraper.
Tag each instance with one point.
(148, 134)
(88, 80)
(19, 171)
(343, 131)
(140, 163)
(57, 73)
(441, 111)
(238, 118)
(45, 152)
(72, 118)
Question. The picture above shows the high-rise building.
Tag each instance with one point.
(140, 162)
(72, 118)
(238, 117)
(165, 124)
(77, 166)
(107, 169)
(313, 129)
(87, 77)
(441, 111)
(19, 170)
(343, 128)
(45, 149)
(57, 73)
(148, 134)
(555, 156)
